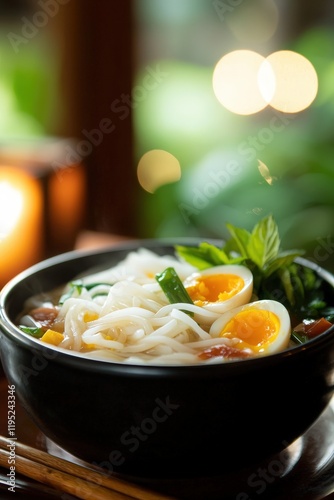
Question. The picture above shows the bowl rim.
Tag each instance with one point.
(64, 356)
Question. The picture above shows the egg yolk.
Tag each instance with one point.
(214, 288)
(255, 329)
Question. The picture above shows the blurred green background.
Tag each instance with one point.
(181, 41)
(183, 117)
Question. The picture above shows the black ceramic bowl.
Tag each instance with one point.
(160, 421)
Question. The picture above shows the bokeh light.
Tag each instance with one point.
(267, 81)
(157, 168)
(244, 82)
(296, 81)
(235, 82)
(253, 22)
(180, 114)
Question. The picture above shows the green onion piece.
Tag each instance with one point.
(299, 338)
(33, 331)
(78, 286)
(100, 294)
(74, 287)
(90, 286)
(172, 287)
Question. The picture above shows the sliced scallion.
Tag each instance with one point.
(299, 338)
(77, 287)
(33, 331)
(173, 287)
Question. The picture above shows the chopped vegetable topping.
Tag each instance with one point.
(76, 288)
(33, 331)
(309, 329)
(45, 316)
(172, 286)
(52, 337)
(298, 337)
(317, 327)
(90, 316)
(224, 351)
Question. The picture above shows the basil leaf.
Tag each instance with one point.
(274, 271)
(240, 239)
(292, 284)
(284, 259)
(203, 256)
(264, 243)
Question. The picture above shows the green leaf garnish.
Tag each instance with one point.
(299, 338)
(76, 288)
(33, 331)
(276, 274)
(205, 255)
(263, 243)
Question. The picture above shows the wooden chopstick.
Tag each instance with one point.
(84, 483)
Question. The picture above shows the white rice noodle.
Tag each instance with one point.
(131, 318)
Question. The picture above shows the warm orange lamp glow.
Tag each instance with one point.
(21, 219)
(66, 195)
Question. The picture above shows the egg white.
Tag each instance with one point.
(279, 343)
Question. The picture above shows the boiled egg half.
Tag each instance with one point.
(260, 327)
(220, 288)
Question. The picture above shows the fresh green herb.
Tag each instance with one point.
(76, 288)
(206, 255)
(99, 294)
(299, 338)
(33, 331)
(90, 286)
(276, 275)
(328, 313)
(173, 287)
